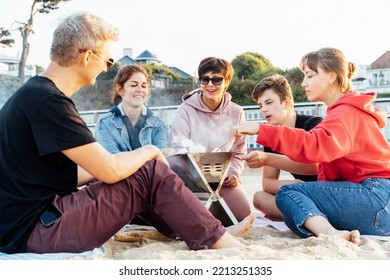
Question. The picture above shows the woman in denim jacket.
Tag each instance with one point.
(131, 124)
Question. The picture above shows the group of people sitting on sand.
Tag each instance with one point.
(63, 189)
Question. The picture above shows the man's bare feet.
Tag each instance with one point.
(227, 241)
(351, 236)
(242, 227)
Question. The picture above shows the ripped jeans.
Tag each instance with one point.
(364, 206)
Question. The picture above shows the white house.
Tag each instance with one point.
(160, 80)
(374, 77)
(9, 65)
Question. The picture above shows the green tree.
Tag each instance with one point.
(295, 77)
(248, 63)
(4, 40)
(249, 69)
(39, 69)
(26, 28)
(267, 71)
(242, 91)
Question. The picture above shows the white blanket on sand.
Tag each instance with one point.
(55, 256)
(281, 226)
(259, 222)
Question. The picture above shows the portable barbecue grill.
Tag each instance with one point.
(203, 174)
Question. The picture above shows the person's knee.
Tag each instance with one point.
(280, 196)
(241, 208)
(150, 164)
(257, 199)
(156, 169)
(161, 168)
(241, 214)
(237, 201)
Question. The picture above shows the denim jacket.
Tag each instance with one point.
(112, 134)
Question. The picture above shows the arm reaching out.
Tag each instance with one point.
(246, 128)
(257, 159)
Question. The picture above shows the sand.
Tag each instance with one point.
(265, 243)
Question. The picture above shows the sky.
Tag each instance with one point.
(183, 32)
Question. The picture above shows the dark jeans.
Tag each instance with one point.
(94, 214)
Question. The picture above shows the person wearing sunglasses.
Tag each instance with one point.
(61, 190)
(276, 102)
(109, 61)
(206, 118)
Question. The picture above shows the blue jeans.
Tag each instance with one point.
(364, 206)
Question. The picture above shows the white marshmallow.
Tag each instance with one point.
(197, 149)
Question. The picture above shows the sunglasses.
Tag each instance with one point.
(109, 61)
(216, 81)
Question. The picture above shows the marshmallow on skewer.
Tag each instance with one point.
(197, 149)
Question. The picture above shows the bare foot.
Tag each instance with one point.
(227, 241)
(242, 227)
(351, 236)
(319, 225)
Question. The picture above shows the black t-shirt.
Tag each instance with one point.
(306, 123)
(36, 124)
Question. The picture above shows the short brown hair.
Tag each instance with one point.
(276, 82)
(216, 65)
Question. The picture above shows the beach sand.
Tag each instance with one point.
(266, 243)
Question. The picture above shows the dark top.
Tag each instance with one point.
(36, 124)
(133, 131)
(306, 123)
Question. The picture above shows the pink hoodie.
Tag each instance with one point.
(348, 143)
(211, 129)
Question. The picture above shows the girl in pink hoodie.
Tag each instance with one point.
(207, 117)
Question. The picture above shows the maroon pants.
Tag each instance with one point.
(94, 214)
